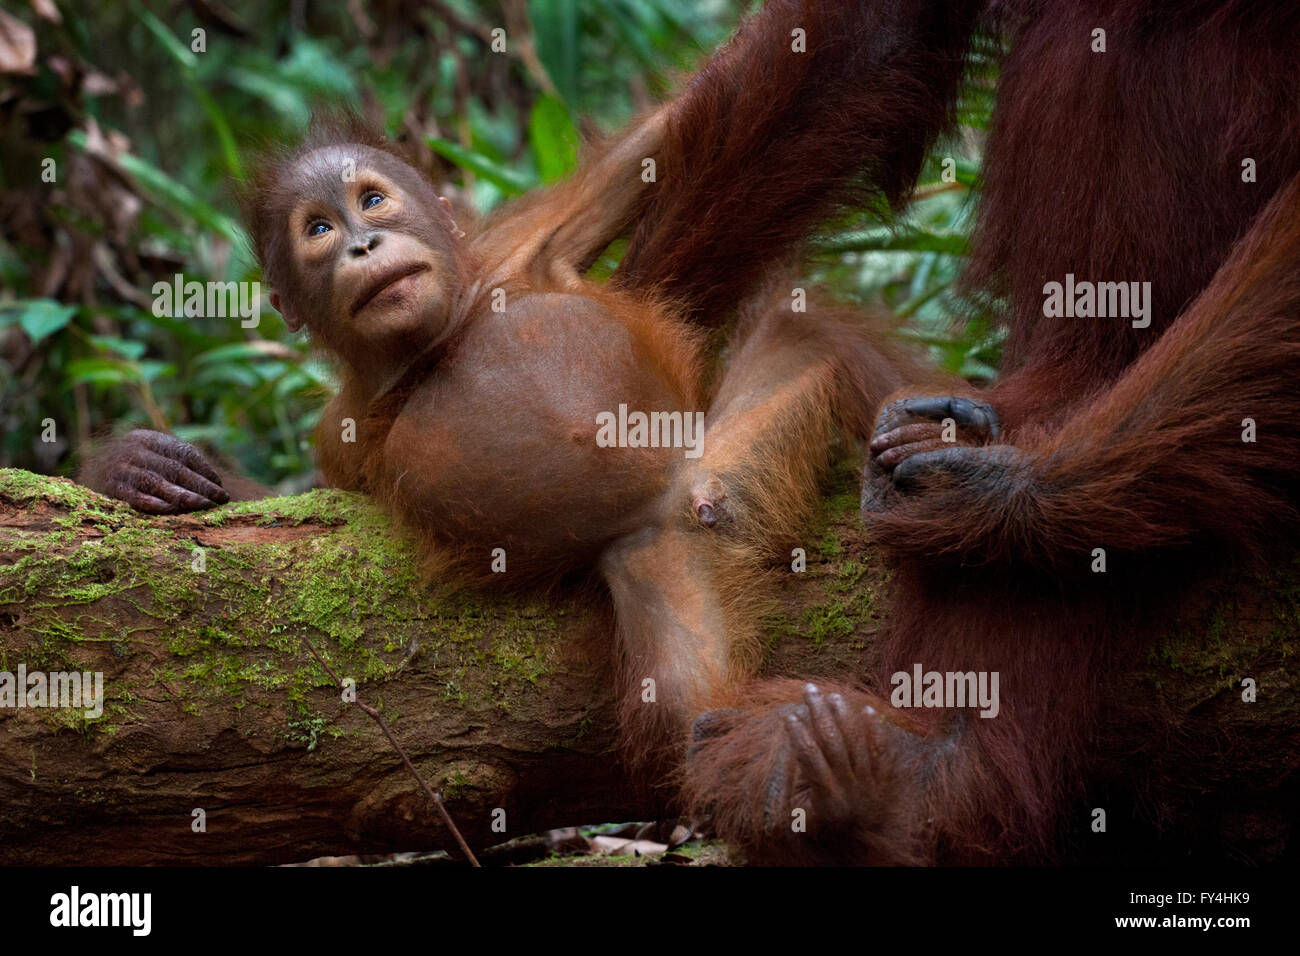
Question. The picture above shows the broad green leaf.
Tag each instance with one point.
(99, 371)
(973, 368)
(234, 352)
(636, 27)
(608, 260)
(128, 350)
(554, 139)
(555, 28)
(289, 383)
(287, 100)
(199, 433)
(39, 317)
(151, 370)
(241, 376)
(505, 179)
(313, 65)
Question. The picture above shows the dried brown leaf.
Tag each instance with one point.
(46, 10)
(17, 45)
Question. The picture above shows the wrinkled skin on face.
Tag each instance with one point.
(366, 258)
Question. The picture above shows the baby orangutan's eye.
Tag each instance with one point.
(318, 228)
(371, 200)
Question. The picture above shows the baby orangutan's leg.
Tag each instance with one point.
(675, 638)
(793, 380)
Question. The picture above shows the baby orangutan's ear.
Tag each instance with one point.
(456, 231)
(290, 319)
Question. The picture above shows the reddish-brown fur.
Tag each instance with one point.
(476, 427)
(777, 141)
(1116, 166)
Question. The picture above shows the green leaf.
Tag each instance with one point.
(177, 50)
(178, 197)
(555, 28)
(554, 139)
(128, 350)
(507, 180)
(189, 64)
(608, 260)
(235, 352)
(151, 370)
(321, 373)
(885, 240)
(38, 318)
(285, 99)
(240, 376)
(635, 27)
(98, 371)
(975, 369)
(288, 383)
(913, 305)
(229, 152)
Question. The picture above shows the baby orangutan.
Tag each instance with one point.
(482, 374)
(477, 372)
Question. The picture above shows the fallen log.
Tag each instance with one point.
(222, 740)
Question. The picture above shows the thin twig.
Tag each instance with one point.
(521, 33)
(383, 725)
(462, 24)
(927, 192)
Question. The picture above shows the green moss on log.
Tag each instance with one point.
(351, 586)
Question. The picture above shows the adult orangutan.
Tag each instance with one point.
(1132, 142)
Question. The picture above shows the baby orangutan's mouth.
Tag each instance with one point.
(385, 279)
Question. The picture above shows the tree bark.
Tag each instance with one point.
(214, 708)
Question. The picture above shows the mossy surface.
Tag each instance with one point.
(1244, 621)
(236, 628)
(85, 580)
